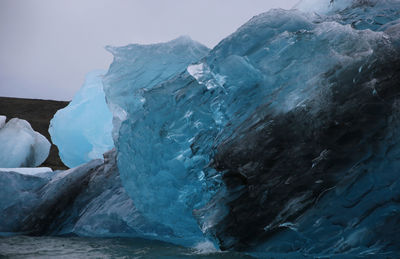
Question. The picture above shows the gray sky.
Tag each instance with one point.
(47, 46)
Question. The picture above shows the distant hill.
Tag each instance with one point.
(38, 113)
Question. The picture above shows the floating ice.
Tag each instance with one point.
(82, 130)
(233, 144)
(20, 145)
(283, 138)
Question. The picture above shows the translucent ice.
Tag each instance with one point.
(256, 144)
(82, 130)
(215, 145)
(20, 145)
(139, 68)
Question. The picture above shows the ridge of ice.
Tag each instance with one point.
(323, 6)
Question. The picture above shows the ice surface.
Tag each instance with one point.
(82, 130)
(216, 144)
(28, 170)
(88, 201)
(324, 6)
(2, 121)
(136, 71)
(29, 199)
(20, 145)
(315, 114)
(138, 68)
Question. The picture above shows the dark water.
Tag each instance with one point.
(80, 247)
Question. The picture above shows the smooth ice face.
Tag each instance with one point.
(20, 145)
(82, 130)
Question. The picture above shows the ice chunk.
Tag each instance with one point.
(82, 130)
(283, 138)
(280, 67)
(21, 146)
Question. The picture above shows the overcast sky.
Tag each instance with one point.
(47, 46)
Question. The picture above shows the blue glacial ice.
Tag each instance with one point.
(138, 70)
(82, 130)
(20, 145)
(183, 134)
(281, 139)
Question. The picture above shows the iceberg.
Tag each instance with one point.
(281, 140)
(241, 144)
(82, 130)
(20, 145)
